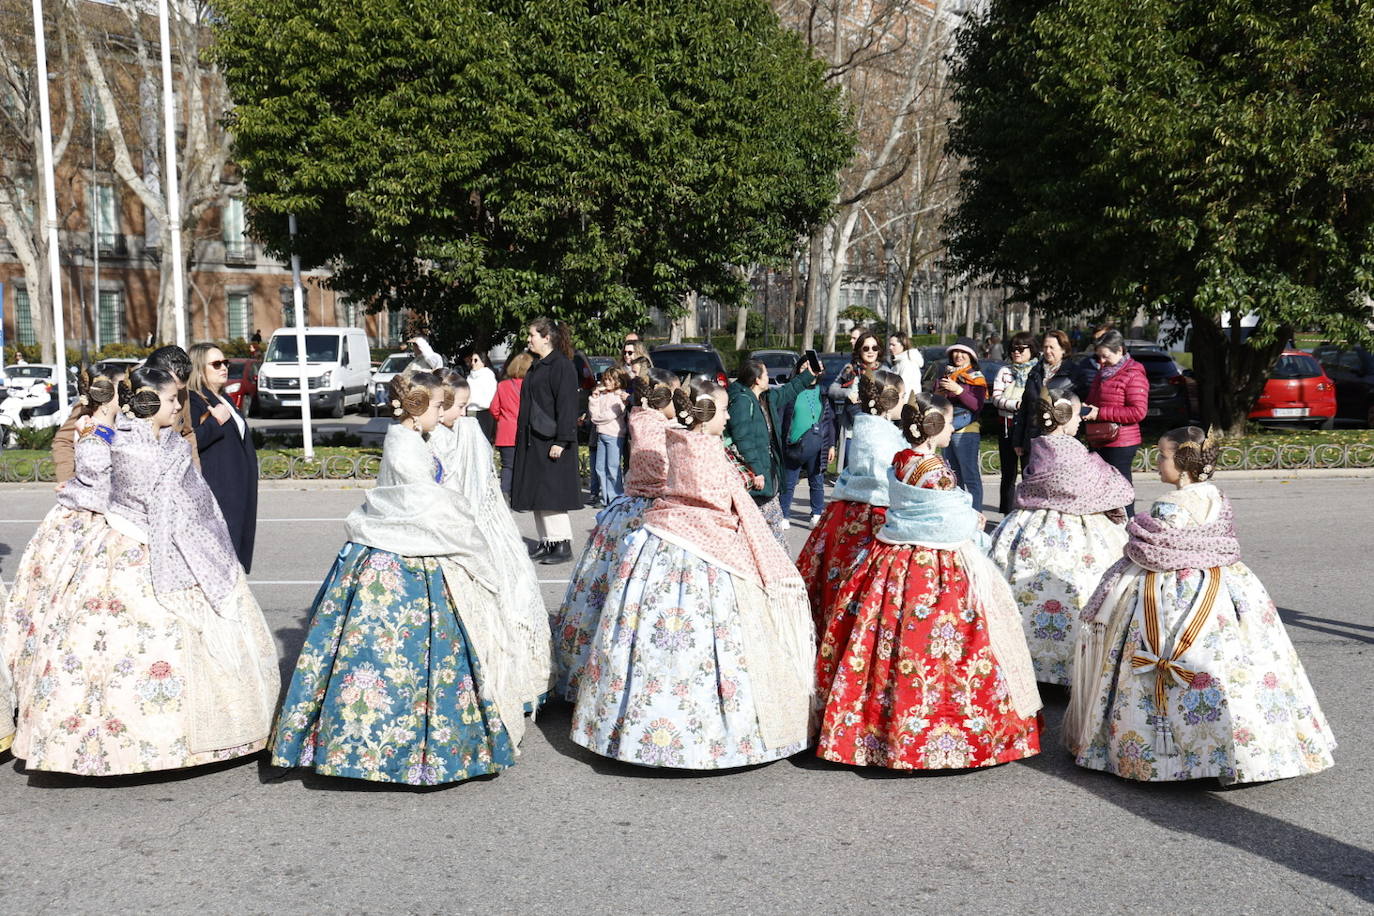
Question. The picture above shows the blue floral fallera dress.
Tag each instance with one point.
(387, 687)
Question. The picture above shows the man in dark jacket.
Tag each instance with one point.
(754, 429)
(808, 434)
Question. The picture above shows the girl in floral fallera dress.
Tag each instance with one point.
(469, 470)
(411, 671)
(153, 655)
(1065, 532)
(848, 525)
(932, 672)
(702, 657)
(577, 618)
(1184, 670)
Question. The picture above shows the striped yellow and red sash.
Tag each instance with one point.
(1150, 656)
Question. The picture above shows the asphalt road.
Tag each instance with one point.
(567, 832)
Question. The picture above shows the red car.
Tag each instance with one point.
(242, 387)
(1298, 392)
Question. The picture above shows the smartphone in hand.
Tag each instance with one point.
(813, 359)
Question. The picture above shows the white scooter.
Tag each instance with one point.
(28, 408)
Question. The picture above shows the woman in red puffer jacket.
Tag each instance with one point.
(505, 410)
(1120, 395)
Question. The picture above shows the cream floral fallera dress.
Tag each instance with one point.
(112, 676)
(1238, 705)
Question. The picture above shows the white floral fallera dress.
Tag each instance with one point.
(1053, 561)
(667, 682)
(1249, 713)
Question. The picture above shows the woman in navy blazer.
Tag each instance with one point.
(228, 460)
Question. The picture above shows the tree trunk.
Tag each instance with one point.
(1230, 373)
(815, 258)
(839, 254)
(741, 326)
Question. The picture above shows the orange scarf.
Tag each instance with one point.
(967, 375)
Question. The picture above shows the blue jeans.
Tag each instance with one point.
(607, 468)
(815, 474)
(962, 455)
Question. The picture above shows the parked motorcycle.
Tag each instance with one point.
(34, 407)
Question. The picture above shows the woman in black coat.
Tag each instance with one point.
(546, 477)
(228, 460)
(1057, 371)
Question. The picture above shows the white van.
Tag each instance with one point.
(339, 365)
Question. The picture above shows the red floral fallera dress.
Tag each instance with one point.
(907, 674)
(845, 531)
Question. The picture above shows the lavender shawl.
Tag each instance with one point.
(1064, 476)
(1158, 546)
(89, 487)
(154, 485)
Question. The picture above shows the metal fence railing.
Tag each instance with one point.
(1251, 457)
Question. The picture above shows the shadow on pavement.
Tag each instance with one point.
(40, 779)
(1199, 809)
(1327, 625)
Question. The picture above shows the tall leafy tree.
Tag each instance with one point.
(1190, 157)
(484, 161)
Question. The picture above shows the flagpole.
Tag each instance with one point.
(173, 188)
(50, 205)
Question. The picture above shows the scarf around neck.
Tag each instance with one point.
(1158, 546)
(876, 441)
(1106, 372)
(1064, 476)
(705, 507)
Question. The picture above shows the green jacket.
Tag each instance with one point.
(759, 439)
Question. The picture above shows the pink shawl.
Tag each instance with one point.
(1064, 476)
(704, 506)
(648, 453)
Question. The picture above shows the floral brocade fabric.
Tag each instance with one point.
(1053, 562)
(387, 687)
(667, 681)
(905, 668)
(107, 680)
(575, 622)
(841, 538)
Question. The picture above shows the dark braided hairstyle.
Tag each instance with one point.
(95, 389)
(1195, 452)
(655, 391)
(410, 393)
(696, 403)
(141, 395)
(1055, 408)
(923, 416)
(880, 391)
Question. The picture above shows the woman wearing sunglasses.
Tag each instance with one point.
(228, 460)
(844, 391)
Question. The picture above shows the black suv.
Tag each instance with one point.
(1352, 372)
(687, 360)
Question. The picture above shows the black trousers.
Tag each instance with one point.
(1012, 466)
(1121, 458)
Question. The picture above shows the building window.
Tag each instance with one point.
(351, 314)
(23, 318)
(236, 244)
(111, 316)
(239, 312)
(393, 325)
(105, 223)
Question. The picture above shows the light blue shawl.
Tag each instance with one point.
(871, 450)
(935, 518)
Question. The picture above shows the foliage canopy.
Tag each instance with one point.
(1188, 157)
(485, 161)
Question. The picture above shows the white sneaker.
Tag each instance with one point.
(815, 520)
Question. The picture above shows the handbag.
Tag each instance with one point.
(1100, 433)
(541, 424)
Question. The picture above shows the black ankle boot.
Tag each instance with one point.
(559, 552)
(539, 550)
